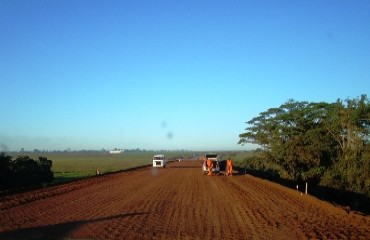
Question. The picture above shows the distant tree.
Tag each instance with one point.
(5, 169)
(45, 169)
(24, 171)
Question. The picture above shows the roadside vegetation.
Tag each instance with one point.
(59, 167)
(323, 144)
(24, 171)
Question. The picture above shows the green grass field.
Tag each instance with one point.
(68, 166)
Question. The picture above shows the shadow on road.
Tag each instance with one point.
(57, 231)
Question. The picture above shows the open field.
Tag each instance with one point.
(177, 202)
(69, 166)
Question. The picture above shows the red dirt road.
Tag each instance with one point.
(175, 203)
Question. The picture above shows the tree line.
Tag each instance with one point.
(24, 171)
(326, 144)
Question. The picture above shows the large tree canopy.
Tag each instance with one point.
(305, 138)
(348, 124)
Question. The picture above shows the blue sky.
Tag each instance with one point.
(170, 75)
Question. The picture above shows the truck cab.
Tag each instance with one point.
(159, 160)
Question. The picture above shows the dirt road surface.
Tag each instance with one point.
(177, 202)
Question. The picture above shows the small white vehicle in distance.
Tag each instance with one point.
(159, 160)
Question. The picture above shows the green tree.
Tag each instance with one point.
(24, 171)
(5, 169)
(348, 124)
(293, 137)
(310, 139)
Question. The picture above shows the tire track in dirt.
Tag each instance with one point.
(285, 209)
(178, 202)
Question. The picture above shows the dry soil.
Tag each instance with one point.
(177, 202)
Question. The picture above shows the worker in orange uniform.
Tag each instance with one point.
(210, 167)
(229, 166)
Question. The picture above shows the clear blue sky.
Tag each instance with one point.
(86, 74)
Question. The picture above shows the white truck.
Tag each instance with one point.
(159, 160)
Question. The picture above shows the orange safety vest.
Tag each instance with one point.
(229, 163)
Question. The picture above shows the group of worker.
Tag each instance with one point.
(229, 167)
